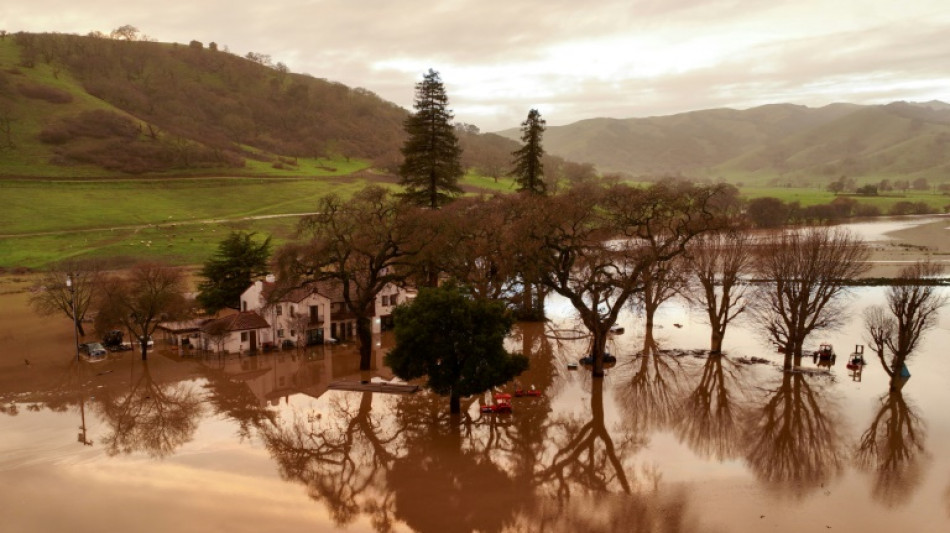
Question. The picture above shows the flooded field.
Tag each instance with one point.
(672, 442)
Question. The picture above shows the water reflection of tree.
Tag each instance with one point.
(892, 447)
(651, 389)
(710, 417)
(474, 493)
(342, 458)
(235, 399)
(586, 454)
(793, 440)
(152, 417)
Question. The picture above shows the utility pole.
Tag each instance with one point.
(72, 303)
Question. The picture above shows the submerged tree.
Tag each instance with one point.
(661, 282)
(807, 273)
(594, 245)
(360, 244)
(912, 304)
(432, 157)
(717, 263)
(456, 342)
(140, 300)
(231, 271)
(54, 295)
(528, 168)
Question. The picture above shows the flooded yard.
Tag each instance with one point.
(675, 441)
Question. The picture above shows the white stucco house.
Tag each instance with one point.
(314, 313)
(241, 332)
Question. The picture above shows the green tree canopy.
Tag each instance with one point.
(239, 259)
(455, 341)
(432, 158)
(528, 169)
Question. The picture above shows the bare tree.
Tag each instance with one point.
(359, 243)
(52, 294)
(912, 303)
(139, 301)
(661, 282)
(807, 271)
(717, 263)
(593, 244)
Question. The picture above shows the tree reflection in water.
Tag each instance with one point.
(585, 454)
(710, 417)
(342, 457)
(651, 389)
(892, 447)
(152, 418)
(793, 442)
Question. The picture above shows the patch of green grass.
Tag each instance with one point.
(45, 206)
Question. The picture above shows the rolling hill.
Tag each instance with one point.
(789, 142)
(85, 106)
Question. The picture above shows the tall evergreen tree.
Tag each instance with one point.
(239, 259)
(528, 169)
(432, 165)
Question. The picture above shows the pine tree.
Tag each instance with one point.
(528, 169)
(432, 165)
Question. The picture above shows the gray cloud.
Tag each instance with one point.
(572, 60)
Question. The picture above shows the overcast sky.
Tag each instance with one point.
(571, 59)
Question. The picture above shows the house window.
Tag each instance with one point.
(394, 299)
(293, 311)
(280, 310)
(293, 333)
(243, 305)
(280, 333)
(385, 300)
(244, 336)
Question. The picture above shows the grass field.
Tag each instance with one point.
(179, 220)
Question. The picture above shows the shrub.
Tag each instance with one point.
(45, 92)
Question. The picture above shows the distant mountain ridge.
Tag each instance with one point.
(791, 141)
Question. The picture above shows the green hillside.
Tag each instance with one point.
(781, 142)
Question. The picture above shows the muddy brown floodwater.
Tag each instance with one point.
(675, 441)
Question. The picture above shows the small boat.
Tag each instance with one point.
(572, 366)
(616, 329)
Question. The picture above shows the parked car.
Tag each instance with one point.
(93, 350)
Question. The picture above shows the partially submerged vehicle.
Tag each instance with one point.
(825, 352)
(93, 352)
(856, 359)
(589, 360)
(113, 341)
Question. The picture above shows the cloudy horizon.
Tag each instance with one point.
(572, 61)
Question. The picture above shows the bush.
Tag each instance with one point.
(45, 92)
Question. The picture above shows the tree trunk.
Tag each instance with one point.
(598, 349)
(144, 345)
(455, 403)
(715, 342)
(364, 332)
(82, 332)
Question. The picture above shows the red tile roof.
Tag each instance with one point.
(242, 321)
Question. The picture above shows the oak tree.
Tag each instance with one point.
(456, 342)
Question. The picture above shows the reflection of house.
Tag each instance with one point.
(313, 313)
(274, 376)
